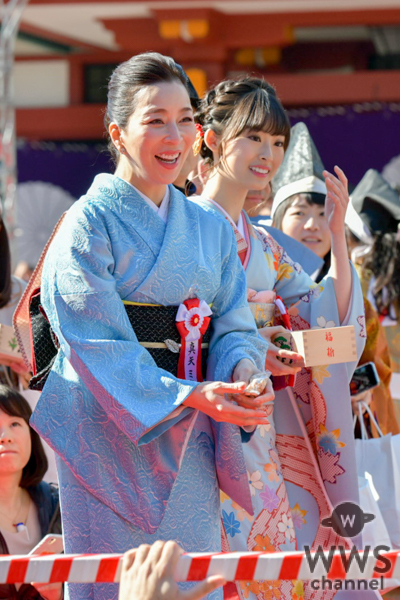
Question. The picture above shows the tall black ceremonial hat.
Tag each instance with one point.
(377, 203)
(301, 169)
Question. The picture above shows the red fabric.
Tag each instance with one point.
(183, 332)
(230, 591)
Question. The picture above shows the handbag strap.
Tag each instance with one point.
(360, 418)
(371, 416)
(364, 434)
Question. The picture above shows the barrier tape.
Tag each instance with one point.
(233, 566)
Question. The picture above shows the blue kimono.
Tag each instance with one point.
(132, 468)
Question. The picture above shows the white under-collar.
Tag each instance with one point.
(240, 225)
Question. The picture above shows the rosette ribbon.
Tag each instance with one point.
(192, 321)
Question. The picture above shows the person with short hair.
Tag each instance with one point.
(29, 507)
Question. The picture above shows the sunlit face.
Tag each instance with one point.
(15, 444)
(159, 134)
(307, 224)
(253, 158)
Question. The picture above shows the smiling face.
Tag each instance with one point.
(252, 158)
(307, 224)
(158, 136)
(15, 444)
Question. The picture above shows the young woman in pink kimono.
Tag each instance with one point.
(302, 464)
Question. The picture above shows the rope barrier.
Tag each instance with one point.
(233, 566)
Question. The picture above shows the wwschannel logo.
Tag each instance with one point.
(348, 520)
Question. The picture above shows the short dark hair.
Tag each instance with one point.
(15, 405)
(309, 197)
(5, 266)
(129, 78)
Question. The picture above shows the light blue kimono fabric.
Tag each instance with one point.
(125, 477)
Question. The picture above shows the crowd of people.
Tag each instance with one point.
(176, 418)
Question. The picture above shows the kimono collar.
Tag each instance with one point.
(162, 210)
(241, 232)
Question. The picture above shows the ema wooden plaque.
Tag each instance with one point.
(326, 346)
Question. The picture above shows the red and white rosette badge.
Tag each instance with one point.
(192, 321)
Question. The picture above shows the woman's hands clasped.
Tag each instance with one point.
(209, 398)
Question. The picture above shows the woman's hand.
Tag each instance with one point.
(365, 397)
(209, 398)
(280, 361)
(148, 573)
(336, 203)
(242, 373)
(337, 199)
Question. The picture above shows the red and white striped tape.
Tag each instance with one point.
(233, 566)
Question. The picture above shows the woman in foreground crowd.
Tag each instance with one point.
(29, 507)
(303, 461)
(143, 451)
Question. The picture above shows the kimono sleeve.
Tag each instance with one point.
(234, 332)
(314, 303)
(80, 297)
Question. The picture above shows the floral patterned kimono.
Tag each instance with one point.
(302, 464)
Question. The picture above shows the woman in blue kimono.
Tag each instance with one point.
(302, 463)
(141, 452)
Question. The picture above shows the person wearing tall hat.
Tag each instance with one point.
(298, 208)
(372, 219)
(299, 211)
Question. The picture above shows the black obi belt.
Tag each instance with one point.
(155, 327)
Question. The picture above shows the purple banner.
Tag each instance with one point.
(356, 138)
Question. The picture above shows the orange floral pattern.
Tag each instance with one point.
(263, 544)
(250, 586)
(271, 469)
(271, 590)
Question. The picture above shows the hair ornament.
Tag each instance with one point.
(199, 139)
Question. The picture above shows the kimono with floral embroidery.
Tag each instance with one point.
(133, 469)
(303, 464)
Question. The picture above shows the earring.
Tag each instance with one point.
(199, 139)
(122, 150)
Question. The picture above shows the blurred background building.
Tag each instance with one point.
(335, 65)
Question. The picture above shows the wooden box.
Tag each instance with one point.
(326, 346)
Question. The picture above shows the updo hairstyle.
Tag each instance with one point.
(234, 106)
(129, 78)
